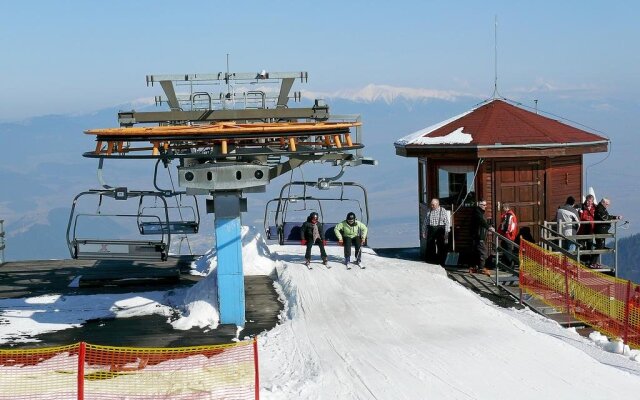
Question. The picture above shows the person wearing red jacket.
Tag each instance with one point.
(508, 223)
(587, 227)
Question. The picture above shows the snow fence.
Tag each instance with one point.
(610, 305)
(87, 371)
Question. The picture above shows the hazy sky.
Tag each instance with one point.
(78, 56)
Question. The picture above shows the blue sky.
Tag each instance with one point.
(78, 56)
(578, 58)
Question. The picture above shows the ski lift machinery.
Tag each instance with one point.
(232, 133)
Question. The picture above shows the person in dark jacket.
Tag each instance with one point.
(313, 233)
(524, 234)
(602, 214)
(479, 228)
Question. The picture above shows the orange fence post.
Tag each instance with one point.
(82, 350)
(626, 312)
(257, 370)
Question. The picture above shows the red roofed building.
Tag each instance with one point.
(500, 153)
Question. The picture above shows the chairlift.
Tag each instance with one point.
(183, 219)
(285, 215)
(84, 246)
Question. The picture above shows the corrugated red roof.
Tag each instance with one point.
(499, 122)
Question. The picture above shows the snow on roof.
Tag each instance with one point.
(420, 137)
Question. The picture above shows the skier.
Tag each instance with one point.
(351, 231)
(313, 233)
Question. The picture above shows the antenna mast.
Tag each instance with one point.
(495, 60)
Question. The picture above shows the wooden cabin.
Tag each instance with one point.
(500, 153)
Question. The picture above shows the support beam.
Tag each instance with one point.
(170, 91)
(229, 250)
(283, 96)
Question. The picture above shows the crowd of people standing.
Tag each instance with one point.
(574, 221)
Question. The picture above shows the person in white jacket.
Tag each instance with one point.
(568, 221)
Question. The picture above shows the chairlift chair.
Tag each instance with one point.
(100, 248)
(187, 222)
(284, 223)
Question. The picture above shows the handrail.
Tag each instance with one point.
(511, 249)
(549, 235)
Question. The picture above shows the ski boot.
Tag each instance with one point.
(347, 259)
(324, 260)
(307, 262)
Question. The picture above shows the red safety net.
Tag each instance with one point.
(86, 371)
(609, 304)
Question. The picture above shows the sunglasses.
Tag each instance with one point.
(351, 219)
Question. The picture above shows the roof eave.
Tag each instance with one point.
(415, 150)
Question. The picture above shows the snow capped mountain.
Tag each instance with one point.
(388, 94)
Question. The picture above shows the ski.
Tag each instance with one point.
(308, 265)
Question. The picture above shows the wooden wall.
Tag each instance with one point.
(564, 179)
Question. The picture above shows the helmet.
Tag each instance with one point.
(313, 215)
(351, 216)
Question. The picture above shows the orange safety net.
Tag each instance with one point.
(610, 305)
(86, 371)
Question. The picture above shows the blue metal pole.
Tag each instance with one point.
(229, 251)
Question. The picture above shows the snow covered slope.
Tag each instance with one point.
(403, 330)
(396, 330)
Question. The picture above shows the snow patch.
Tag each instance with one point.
(421, 136)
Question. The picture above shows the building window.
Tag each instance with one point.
(456, 185)
(422, 181)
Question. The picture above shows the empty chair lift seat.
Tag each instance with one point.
(91, 249)
(175, 227)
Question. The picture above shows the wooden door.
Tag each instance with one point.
(521, 185)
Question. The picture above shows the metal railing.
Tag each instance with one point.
(507, 261)
(579, 246)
